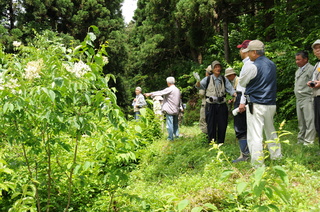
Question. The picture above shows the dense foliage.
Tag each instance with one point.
(68, 70)
(63, 135)
(173, 37)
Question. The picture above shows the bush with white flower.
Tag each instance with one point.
(66, 135)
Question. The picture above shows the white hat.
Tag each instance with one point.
(315, 43)
(229, 71)
(254, 45)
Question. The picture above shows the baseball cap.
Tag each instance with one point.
(244, 44)
(254, 45)
(229, 71)
(315, 43)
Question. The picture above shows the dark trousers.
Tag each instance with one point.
(240, 121)
(217, 121)
(317, 114)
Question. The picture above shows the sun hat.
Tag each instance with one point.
(229, 71)
(315, 43)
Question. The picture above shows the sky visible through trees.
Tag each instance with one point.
(128, 9)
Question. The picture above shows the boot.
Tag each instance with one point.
(244, 151)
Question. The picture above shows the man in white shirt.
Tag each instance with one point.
(259, 79)
(240, 120)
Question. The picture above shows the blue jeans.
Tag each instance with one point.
(172, 126)
(136, 115)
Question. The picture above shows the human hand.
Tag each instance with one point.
(242, 108)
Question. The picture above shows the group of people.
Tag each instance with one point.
(253, 94)
(168, 100)
(254, 98)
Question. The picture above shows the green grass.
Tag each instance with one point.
(170, 172)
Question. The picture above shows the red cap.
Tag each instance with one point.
(244, 44)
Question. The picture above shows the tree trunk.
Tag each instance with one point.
(269, 19)
(226, 41)
(11, 14)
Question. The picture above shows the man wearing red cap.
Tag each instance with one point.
(240, 120)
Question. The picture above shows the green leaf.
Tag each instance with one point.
(88, 99)
(50, 93)
(269, 192)
(138, 128)
(275, 208)
(241, 186)
(211, 206)
(258, 175)
(197, 209)
(76, 169)
(95, 29)
(86, 165)
(7, 106)
(282, 173)
(261, 208)
(183, 204)
(225, 174)
(58, 81)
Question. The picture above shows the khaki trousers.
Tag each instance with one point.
(305, 114)
(261, 121)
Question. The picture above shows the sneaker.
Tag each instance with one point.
(245, 158)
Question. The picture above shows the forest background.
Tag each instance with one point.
(173, 38)
(165, 38)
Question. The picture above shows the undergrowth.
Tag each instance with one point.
(190, 175)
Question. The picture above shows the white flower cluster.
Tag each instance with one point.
(105, 59)
(79, 68)
(16, 43)
(11, 83)
(33, 69)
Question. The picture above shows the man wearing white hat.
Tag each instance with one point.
(315, 85)
(231, 75)
(259, 79)
(216, 87)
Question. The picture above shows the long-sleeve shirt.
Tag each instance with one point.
(240, 88)
(248, 74)
(171, 99)
(303, 75)
(140, 102)
(316, 77)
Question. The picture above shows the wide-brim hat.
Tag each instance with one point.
(229, 71)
